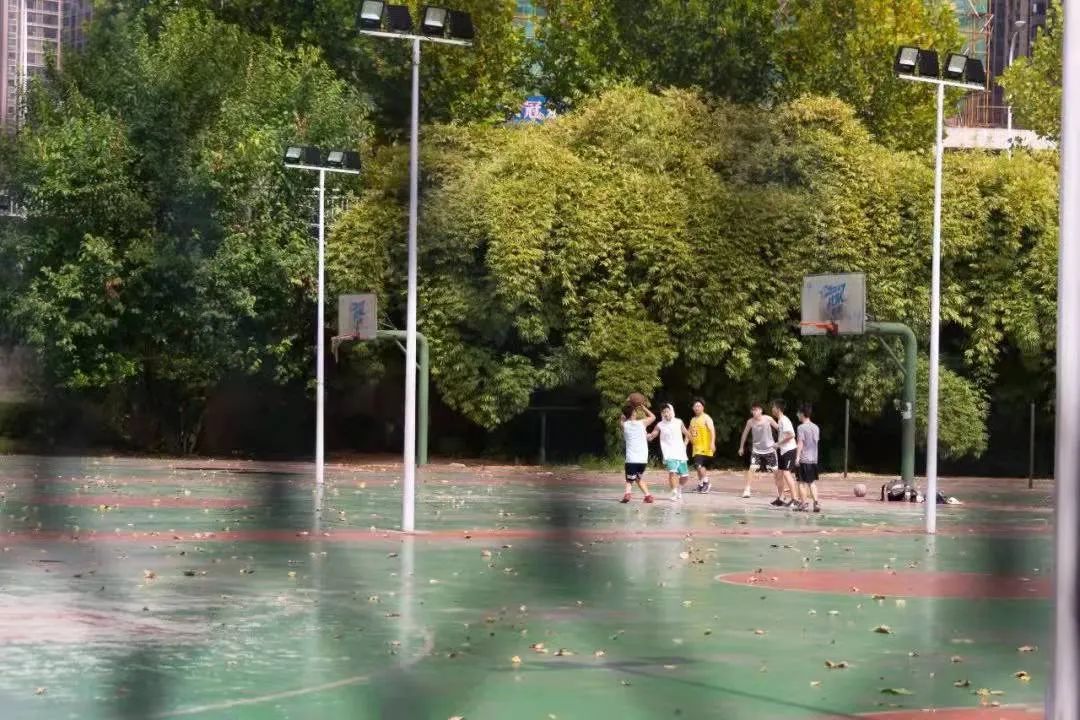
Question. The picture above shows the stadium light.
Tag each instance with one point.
(448, 27)
(347, 162)
(960, 71)
(371, 14)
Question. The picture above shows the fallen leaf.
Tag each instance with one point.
(599, 653)
(962, 683)
(842, 665)
(879, 597)
(883, 630)
(956, 659)
(1022, 676)
(39, 691)
(539, 647)
(515, 660)
(759, 632)
(670, 667)
(1027, 648)
(684, 555)
(563, 652)
(815, 683)
(895, 691)
(913, 653)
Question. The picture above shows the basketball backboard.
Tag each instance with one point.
(836, 299)
(358, 316)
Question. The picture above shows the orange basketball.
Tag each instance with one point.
(860, 489)
(637, 399)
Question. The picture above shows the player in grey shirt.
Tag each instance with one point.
(808, 436)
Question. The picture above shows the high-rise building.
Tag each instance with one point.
(77, 16)
(29, 34)
(527, 14)
(995, 32)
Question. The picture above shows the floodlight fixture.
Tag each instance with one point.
(907, 60)
(343, 159)
(398, 18)
(371, 14)
(955, 64)
(974, 72)
(915, 62)
(303, 155)
(461, 25)
(433, 20)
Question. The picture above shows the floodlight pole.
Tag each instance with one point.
(408, 493)
(935, 296)
(320, 341)
(935, 325)
(1064, 694)
(408, 489)
(320, 318)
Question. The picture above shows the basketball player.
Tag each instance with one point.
(703, 441)
(673, 440)
(806, 459)
(763, 451)
(786, 449)
(637, 449)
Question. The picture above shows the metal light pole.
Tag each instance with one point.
(378, 11)
(935, 286)
(1064, 692)
(347, 163)
(1018, 26)
(320, 341)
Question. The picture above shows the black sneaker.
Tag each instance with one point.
(817, 507)
(800, 507)
(777, 503)
(704, 487)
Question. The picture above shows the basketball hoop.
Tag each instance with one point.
(829, 328)
(337, 341)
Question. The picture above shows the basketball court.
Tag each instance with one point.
(212, 589)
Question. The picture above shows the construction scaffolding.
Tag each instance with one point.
(976, 20)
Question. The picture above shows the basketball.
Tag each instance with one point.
(637, 399)
(860, 490)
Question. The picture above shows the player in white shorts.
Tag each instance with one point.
(763, 451)
(673, 440)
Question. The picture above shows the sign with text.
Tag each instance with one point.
(358, 315)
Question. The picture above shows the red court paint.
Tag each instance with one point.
(136, 501)
(896, 584)
(981, 713)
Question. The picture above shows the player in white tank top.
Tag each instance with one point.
(673, 440)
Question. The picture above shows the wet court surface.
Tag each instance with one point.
(210, 589)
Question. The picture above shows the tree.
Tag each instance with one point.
(485, 82)
(846, 50)
(721, 46)
(1033, 84)
(656, 242)
(165, 247)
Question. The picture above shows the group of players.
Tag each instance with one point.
(791, 456)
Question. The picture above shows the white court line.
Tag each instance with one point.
(429, 645)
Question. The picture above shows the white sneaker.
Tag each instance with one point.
(746, 493)
(676, 496)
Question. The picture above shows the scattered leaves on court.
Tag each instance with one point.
(515, 660)
(841, 665)
(962, 683)
(1028, 648)
(883, 630)
(1022, 676)
(896, 691)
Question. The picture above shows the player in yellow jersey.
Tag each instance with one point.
(703, 444)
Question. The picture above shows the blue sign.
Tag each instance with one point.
(533, 110)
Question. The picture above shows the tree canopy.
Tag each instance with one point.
(165, 246)
(651, 233)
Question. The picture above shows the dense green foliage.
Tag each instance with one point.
(1033, 84)
(650, 232)
(165, 247)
